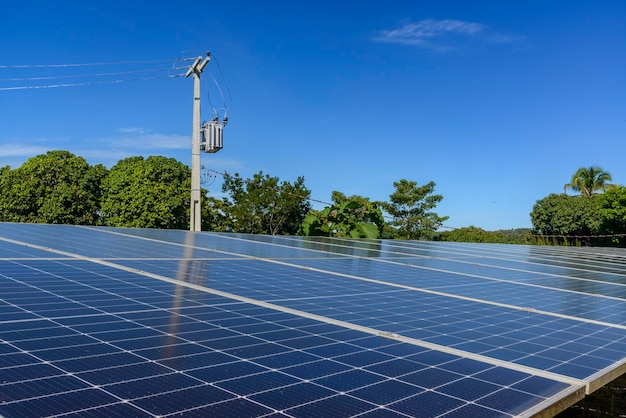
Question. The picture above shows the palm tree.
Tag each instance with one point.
(588, 180)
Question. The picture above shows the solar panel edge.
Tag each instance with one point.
(605, 376)
(556, 404)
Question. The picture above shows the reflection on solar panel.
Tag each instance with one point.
(134, 322)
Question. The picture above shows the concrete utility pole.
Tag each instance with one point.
(196, 69)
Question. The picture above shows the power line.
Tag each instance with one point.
(250, 182)
(230, 97)
(89, 83)
(54, 77)
(91, 64)
(87, 79)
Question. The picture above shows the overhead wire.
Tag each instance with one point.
(230, 97)
(225, 108)
(247, 181)
(221, 94)
(88, 83)
(88, 79)
(90, 64)
(87, 75)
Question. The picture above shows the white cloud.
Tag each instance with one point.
(19, 150)
(436, 34)
(133, 141)
(132, 130)
(108, 150)
(107, 157)
(142, 140)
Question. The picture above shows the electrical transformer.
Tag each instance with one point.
(211, 138)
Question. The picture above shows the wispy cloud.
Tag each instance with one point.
(139, 138)
(126, 142)
(19, 150)
(132, 130)
(438, 35)
(109, 149)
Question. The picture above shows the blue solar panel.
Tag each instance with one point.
(131, 322)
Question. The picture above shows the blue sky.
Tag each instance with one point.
(496, 102)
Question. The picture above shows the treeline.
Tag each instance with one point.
(154, 192)
(597, 216)
(560, 219)
(597, 219)
(61, 188)
(475, 234)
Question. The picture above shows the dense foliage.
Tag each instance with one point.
(597, 219)
(264, 205)
(475, 234)
(560, 214)
(57, 187)
(147, 193)
(591, 218)
(612, 213)
(411, 207)
(215, 215)
(349, 217)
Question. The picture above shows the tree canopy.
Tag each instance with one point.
(612, 213)
(349, 217)
(56, 187)
(476, 234)
(559, 214)
(411, 207)
(588, 180)
(147, 193)
(591, 218)
(265, 205)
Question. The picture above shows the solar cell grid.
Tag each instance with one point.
(543, 259)
(344, 310)
(112, 327)
(541, 298)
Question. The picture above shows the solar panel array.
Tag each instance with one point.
(103, 322)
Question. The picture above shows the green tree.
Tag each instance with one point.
(339, 197)
(411, 208)
(264, 205)
(612, 213)
(475, 234)
(6, 183)
(350, 217)
(147, 193)
(588, 180)
(215, 215)
(56, 187)
(562, 215)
